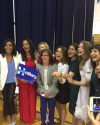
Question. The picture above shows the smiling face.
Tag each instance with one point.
(72, 52)
(95, 55)
(59, 54)
(42, 46)
(8, 47)
(98, 70)
(26, 46)
(81, 50)
(45, 58)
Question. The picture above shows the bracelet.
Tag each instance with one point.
(61, 74)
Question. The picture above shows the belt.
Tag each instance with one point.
(97, 91)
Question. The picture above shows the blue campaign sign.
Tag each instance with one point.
(27, 73)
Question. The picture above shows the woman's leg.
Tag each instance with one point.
(88, 123)
(59, 111)
(24, 101)
(52, 103)
(63, 113)
(80, 122)
(6, 97)
(43, 109)
(32, 102)
(74, 120)
(11, 102)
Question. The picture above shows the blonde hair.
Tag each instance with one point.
(86, 45)
(45, 44)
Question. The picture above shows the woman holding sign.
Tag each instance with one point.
(8, 67)
(47, 85)
(27, 91)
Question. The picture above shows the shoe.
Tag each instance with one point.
(57, 122)
(13, 123)
(47, 117)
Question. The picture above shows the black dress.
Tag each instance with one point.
(63, 95)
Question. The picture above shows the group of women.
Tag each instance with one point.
(67, 76)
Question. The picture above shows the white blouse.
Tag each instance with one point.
(63, 68)
(45, 80)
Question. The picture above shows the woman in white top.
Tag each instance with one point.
(61, 58)
(47, 85)
(85, 72)
(8, 81)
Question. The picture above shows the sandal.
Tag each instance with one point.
(57, 122)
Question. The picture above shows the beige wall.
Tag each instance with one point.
(96, 22)
(97, 11)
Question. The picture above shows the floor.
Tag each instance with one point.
(38, 116)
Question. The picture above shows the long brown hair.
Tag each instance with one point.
(97, 46)
(65, 59)
(86, 45)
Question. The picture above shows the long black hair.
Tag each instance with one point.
(3, 52)
(32, 51)
(75, 45)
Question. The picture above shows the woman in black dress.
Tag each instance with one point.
(63, 96)
(74, 73)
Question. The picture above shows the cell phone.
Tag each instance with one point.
(95, 104)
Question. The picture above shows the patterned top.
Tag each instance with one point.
(73, 67)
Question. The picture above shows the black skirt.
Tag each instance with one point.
(63, 95)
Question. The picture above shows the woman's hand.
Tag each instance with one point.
(56, 74)
(22, 80)
(91, 117)
(46, 94)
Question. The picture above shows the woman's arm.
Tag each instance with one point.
(86, 83)
(65, 76)
(87, 70)
(64, 70)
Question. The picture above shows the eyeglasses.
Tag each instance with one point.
(44, 55)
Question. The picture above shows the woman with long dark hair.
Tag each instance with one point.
(8, 60)
(61, 58)
(27, 91)
(74, 73)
